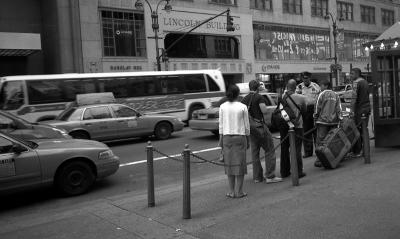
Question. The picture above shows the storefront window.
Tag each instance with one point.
(289, 43)
(123, 34)
(202, 46)
(350, 47)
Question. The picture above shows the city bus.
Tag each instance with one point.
(179, 93)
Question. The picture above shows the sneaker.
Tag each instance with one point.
(258, 180)
(273, 180)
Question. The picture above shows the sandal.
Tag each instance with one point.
(241, 195)
(230, 195)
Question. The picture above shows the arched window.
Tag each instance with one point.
(202, 46)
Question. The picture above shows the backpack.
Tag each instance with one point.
(283, 113)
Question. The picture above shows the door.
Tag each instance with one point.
(17, 169)
(386, 97)
(126, 121)
(97, 120)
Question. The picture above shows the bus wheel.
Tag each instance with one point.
(163, 130)
(192, 109)
(79, 135)
(75, 178)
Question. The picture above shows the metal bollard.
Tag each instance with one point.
(365, 139)
(150, 176)
(293, 159)
(186, 183)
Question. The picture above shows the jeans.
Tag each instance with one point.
(262, 139)
(285, 151)
(357, 147)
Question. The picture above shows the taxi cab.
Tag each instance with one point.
(105, 120)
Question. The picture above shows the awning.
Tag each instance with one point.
(19, 44)
(389, 39)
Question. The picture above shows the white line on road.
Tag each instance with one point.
(176, 155)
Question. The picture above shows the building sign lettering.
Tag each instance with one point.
(125, 68)
(181, 22)
(265, 68)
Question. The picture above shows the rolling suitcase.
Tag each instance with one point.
(351, 131)
(333, 148)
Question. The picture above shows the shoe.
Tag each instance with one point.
(307, 155)
(273, 180)
(230, 195)
(241, 195)
(258, 180)
(317, 164)
(302, 175)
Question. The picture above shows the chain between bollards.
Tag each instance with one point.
(365, 139)
(186, 214)
(150, 175)
(293, 159)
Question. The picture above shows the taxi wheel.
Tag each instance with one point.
(75, 178)
(163, 130)
(79, 135)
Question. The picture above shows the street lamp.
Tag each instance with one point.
(154, 19)
(335, 32)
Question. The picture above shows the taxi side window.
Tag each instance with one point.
(123, 111)
(97, 113)
(5, 146)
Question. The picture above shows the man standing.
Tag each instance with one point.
(360, 105)
(260, 137)
(297, 104)
(328, 113)
(310, 90)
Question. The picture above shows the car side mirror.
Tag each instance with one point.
(17, 148)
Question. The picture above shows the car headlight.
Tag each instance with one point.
(106, 154)
(61, 131)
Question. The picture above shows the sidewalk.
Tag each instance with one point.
(353, 201)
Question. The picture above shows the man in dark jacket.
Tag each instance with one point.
(360, 105)
(328, 113)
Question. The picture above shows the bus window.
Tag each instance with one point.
(171, 84)
(212, 86)
(73, 87)
(12, 95)
(116, 85)
(151, 86)
(194, 83)
(44, 91)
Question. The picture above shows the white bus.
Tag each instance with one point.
(42, 97)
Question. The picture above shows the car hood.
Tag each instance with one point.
(70, 144)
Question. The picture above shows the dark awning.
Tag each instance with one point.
(19, 44)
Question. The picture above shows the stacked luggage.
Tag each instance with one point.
(337, 144)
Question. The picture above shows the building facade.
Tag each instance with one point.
(273, 40)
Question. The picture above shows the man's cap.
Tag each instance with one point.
(306, 74)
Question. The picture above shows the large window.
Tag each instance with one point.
(290, 43)
(367, 14)
(350, 46)
(345, 11)
(202, 46)
(387, 17)
(261, 4)
(228, 2)
(319, 8)
(123, 33)
(292, 6)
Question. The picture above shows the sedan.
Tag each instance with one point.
(112, 121)
(69, 164)
(208, 119)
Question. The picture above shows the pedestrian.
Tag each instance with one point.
(260, 136)
(360, 106)
(297, 104)
(310, 90)
(234, 131)
(328, 113)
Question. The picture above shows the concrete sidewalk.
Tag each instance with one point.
(353, 201)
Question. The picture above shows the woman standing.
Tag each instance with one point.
(234, 131)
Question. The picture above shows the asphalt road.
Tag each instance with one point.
(132, 175)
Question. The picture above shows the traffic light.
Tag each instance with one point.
(229, 22)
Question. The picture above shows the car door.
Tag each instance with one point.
(126, 121)
(18, 169)
(97, 121)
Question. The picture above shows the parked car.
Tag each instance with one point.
(113, 121)
(345, 94)
(207, 119)
(21, 128)
(69, 164)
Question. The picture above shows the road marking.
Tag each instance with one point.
(176, 155)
